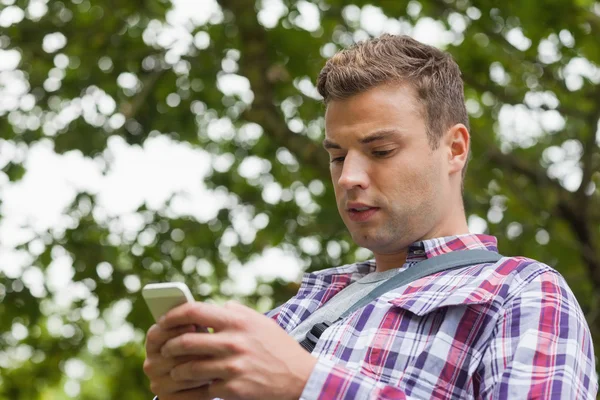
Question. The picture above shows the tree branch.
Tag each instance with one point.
(504, 97)
(582, 229)
(536, 175)
(590, 151)
(255, 65)
(499, 91)
(130, 108)
(593, 20)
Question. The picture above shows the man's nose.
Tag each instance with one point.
(354, 173)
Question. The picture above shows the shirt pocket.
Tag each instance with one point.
(423, 302)
(429, 343)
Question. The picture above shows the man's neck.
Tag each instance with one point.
(385, 262)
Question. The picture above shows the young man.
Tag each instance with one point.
(398, 137)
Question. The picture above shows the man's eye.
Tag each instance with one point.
(336, 160)
(382, 153)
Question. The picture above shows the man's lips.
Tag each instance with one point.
(356, 206)
(360, 212)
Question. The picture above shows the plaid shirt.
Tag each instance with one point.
(512, 330)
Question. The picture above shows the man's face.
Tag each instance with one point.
(390, 186)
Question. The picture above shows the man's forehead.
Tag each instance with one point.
(377, 106)
(383, 112)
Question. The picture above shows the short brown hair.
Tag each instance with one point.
(433, 74)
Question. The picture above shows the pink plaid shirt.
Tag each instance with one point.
(510, 330)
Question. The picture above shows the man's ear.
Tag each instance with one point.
(457, 141)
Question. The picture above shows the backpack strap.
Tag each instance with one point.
(442, 262)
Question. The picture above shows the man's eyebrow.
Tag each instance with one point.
(328, 144)
(373, 137)
(379, 135)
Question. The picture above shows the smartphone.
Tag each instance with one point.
(162, 297)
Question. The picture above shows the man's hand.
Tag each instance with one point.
(247, 357)
(158, 368)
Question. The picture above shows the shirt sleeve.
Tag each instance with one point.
(541, 347)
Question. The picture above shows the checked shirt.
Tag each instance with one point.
(509, 330)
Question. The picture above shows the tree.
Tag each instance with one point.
(236, 81)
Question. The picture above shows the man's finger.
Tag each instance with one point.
(159, 366)
(167, 386)
(200, 344)
(205, 370)
(194, 394)
(198, 313)
(158, 336)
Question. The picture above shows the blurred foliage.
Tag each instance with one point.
(120, 75)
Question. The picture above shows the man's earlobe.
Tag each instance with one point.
(458, 141)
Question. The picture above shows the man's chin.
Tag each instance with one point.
(367, 240)
(377, 243)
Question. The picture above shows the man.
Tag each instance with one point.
(397, 133)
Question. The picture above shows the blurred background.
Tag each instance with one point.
(157, 140)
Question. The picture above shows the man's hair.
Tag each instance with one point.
(433, 74)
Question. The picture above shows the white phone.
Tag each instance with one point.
(162, 297)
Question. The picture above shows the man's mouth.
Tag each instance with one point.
(360, 209)
(361, 212)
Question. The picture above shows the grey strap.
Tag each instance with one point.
(442, 262)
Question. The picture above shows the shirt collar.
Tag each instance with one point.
(428, 248)
(418, 251)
